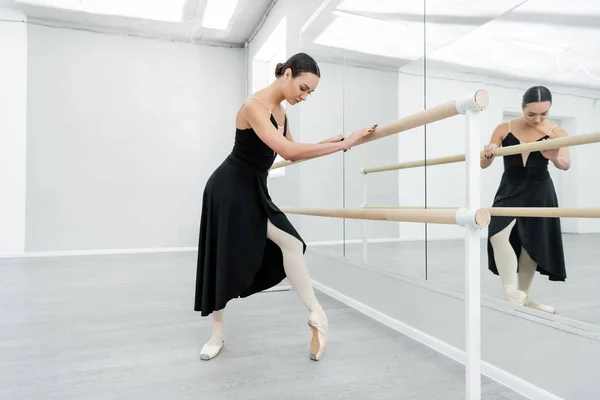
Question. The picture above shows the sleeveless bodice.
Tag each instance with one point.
(252, 151)
(536, 165)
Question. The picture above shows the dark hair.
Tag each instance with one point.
(537, 94)
(298, 63)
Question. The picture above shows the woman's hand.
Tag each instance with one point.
(356, 136)
(550, 154)
(489, 150)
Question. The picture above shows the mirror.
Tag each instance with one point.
(375, 68)
(508, 48)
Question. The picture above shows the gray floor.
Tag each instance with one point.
(577, 298)
(122, 327)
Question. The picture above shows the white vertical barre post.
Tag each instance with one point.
(471, 105)
(472, 258)
(365, 222)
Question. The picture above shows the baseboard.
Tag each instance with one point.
(499, 375)
(98, 252)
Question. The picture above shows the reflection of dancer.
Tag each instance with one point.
(535, 242)
(246, 243)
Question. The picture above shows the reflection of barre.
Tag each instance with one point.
(479, 218)
(415, 164)
(502, 151)
(478, 100)
(548, 212)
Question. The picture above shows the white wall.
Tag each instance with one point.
(586, 182)
(411, 146)
(370, 98)
(13, 125)
(577, 187)
(122, 135)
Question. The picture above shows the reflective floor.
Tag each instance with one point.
(122, 327)
(577, 298)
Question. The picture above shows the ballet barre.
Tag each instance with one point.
(548, 144)
(556, 143)
(534, 212)
(475, 218)
(547, 212)
(477, 100)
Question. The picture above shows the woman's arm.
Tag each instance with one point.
(495, 142)
(255, 115)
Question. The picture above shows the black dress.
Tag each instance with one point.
(529, 186)
(235, 257)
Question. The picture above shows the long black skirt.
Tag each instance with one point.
(540, 237)
(235, 257)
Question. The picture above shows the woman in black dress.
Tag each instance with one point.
(517, 247)
(246, 243)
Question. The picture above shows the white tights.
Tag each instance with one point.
(294, 265)
(295, 269)
(506, 262)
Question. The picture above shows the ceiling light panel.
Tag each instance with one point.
(158, 10)
(217, 13)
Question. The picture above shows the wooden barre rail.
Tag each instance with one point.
(446, 216)
(437, 113)
(549, 212)
(419, 163)
(568, 141)
(553, 212)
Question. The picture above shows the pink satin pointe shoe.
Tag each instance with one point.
(516, 297)
(541, 307)
(317, 321)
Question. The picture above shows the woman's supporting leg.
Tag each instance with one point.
(506, 262)
(294, 265)
(215, 343)
(297, 273)
(527, 268)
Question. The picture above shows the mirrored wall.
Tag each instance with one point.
(382, 61)
(376, 62)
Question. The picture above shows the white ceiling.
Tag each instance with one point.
(543, 40)
(185, 24)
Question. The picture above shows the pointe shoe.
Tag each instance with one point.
(542, 307)
(317, 321)
(516, 297)
(211, 350)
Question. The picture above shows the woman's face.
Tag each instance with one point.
(536, 113)
(297, 89)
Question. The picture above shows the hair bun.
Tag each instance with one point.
(279, 69)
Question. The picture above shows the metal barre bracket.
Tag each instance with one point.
(473, 218)
(473, 101)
